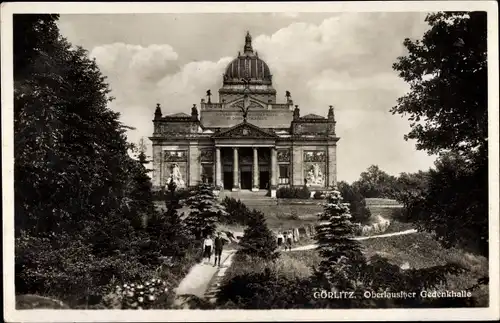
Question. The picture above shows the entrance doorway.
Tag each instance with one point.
(228, 180)
(264, 179)
(246, 179)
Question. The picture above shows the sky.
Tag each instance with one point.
(339, 59)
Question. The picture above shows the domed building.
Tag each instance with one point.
(247, 140)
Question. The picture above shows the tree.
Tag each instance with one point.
(342, 256)
(167, 230)
(258, 240)
(375, 183)
(447, 73)
(237, 211)
(357, 204)
(74, 179)
(204, 212)
(454, 205)
(447, 108)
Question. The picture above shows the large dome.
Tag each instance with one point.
(247, 66)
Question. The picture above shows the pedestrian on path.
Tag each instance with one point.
(207, 248)
(219, 245)
(281, 239)
(289, 240)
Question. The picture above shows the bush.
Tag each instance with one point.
(357, 205)
(288, 216)
(237, 212)
(265, 290)
(318, 195)
(287, 264)
(258, 240)
(137, 295)
(162, 195)
(293, 193)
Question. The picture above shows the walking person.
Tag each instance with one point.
(207, 248)
(281, 239)
(289, 240)
(219, 245)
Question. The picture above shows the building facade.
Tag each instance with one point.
(247, 140)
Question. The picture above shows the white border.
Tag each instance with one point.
(11, 315)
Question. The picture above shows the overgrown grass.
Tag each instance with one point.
(421, 250)
(380, 201)
(287, 264)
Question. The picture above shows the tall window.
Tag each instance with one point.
(207, 174)
(284, 174)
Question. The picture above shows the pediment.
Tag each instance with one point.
(245, 130)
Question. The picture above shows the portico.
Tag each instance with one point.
(249, 167)
(245, 158)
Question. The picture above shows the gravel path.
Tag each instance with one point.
(313, 246)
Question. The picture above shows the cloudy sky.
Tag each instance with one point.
(340, 59)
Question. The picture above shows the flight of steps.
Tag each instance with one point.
(249, 198)
(213, 288)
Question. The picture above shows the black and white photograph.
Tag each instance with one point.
(200, 161)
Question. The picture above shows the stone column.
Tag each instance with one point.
(218, 169)
(274, 175)
(236, 181)
(255, 170)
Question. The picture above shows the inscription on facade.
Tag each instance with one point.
(251, 116)
(314, 156)
(175, 155)
(261, 118)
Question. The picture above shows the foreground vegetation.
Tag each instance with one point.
(86, 229)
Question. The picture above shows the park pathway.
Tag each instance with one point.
(386, 235)
(199, 278)
(203, 280)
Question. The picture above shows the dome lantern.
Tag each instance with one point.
(247, 66)
(248, 44)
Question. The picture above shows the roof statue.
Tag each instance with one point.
(248, 44)
(296, 113)
(158, 113)
(209, 94)
(194, 112)
(331, 113)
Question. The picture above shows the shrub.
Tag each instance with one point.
(286, 264)
(304, 193)
(137, 295)
(357, 205)
(258, 240)
(293, 192)
(236, 212)
(288, 216)
(318, 195)
(264, 290)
